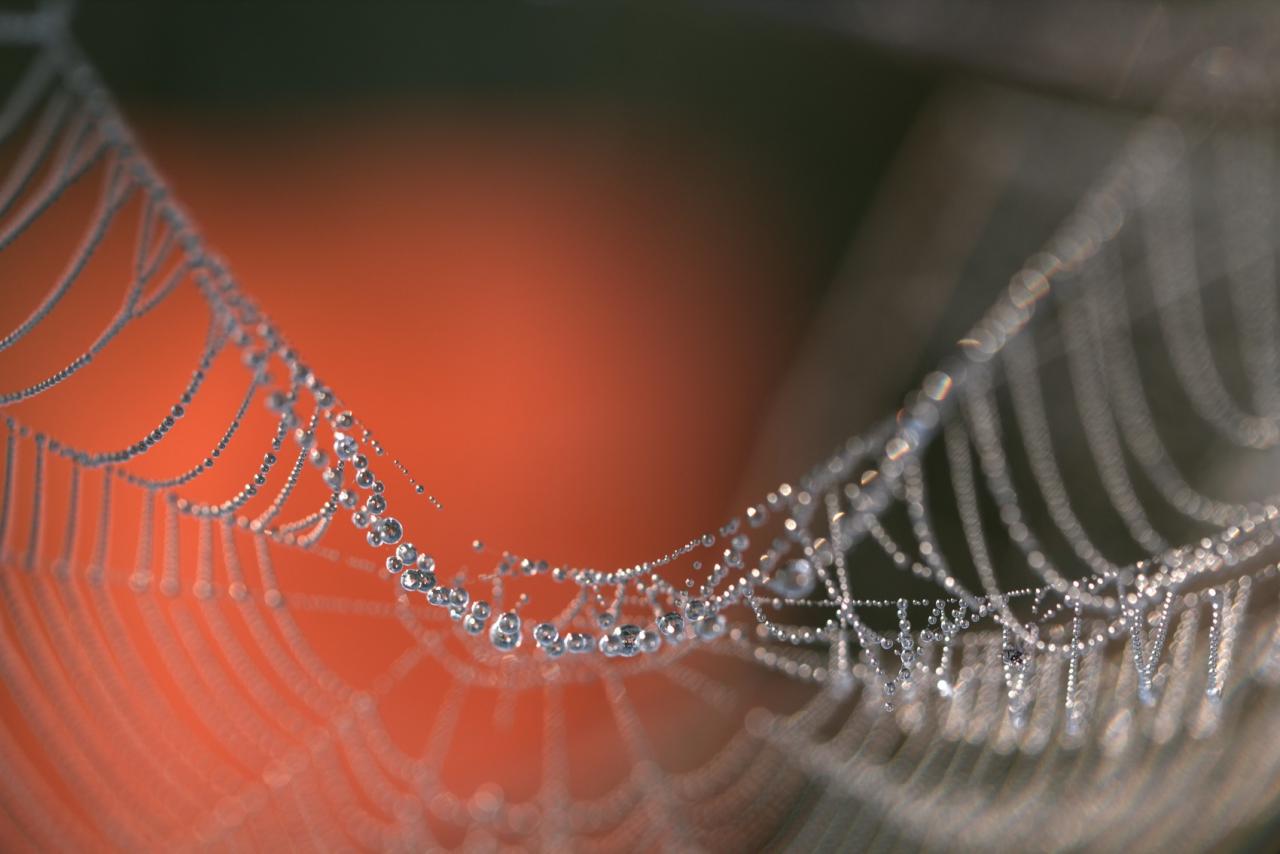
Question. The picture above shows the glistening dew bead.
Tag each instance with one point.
(505, 636)
(509, 622)
(390, 530)
(344, 446)
(408, 555)
(671, 625)
(649, 641)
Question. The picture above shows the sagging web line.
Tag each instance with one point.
(978, 716)
(841, 600)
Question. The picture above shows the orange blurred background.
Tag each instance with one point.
(565, 323)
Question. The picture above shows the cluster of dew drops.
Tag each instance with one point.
(417, 573)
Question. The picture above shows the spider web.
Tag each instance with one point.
(1074, 506)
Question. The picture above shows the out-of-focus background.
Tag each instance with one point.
(562, 256)
(649, 259)
(577, 246)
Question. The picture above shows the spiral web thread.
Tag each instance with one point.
(1098, 638)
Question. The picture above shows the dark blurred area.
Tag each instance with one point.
(820, 114)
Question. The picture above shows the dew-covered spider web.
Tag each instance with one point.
(1077, 507)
